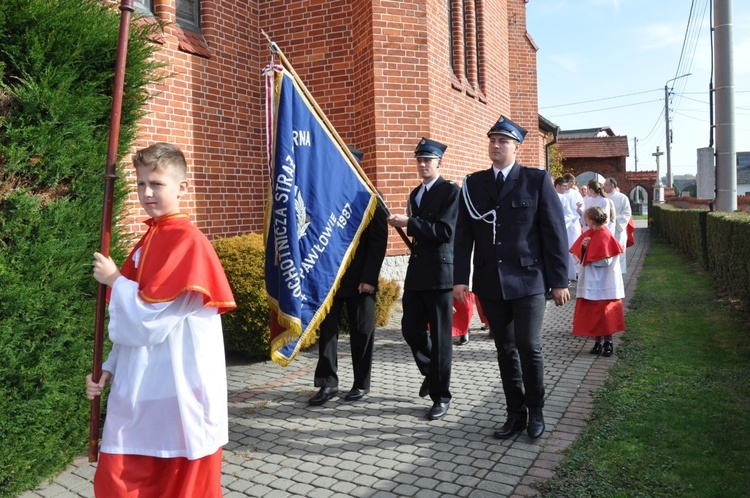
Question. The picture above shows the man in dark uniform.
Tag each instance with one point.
(356, 292)
(428, 300)
(511, 218)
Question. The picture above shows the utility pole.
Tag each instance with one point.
(668, 130)
(635, 157)
(658, 189)
(726, 154)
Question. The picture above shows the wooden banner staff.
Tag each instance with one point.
(277, 51)
(110, 175)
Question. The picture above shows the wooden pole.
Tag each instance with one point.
(110, 175)
(287, 65)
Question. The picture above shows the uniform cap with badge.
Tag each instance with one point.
(505, 126)
(430, 148)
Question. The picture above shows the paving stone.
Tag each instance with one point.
(383, 446)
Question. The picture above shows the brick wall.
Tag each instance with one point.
(381, 72)
(523, 85)
(212, 108)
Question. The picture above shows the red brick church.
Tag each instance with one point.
(385, 73)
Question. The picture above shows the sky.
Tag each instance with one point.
(606, 63)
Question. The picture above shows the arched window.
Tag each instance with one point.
(144, 7)
(189, 15)
(465, 23)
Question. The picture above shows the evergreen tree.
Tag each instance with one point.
(56, 75)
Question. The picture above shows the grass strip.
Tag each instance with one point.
(673, 418)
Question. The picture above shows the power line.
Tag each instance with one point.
(691, 117)
(694, 100)
(657, 122)
(605, 108)
(601, 99)
(689, 46)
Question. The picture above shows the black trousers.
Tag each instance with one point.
(517, 327)
(361, 317)
(433, 350)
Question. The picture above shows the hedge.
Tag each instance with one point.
(56, 76)
(720, 242)
(246, 329)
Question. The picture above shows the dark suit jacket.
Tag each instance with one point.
(432, 228)
(368, 258)
(530, 248)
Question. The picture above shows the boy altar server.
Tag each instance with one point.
(166, 419)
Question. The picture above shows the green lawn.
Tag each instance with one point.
(673, 418)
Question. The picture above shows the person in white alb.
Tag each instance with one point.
(623, 212)
(596, 196)
(572, 222)
(575, 196)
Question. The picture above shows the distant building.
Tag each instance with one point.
(604, 131)
(597, 150)
(743, 173)
(681, 182)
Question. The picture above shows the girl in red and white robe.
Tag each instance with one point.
(599, 312)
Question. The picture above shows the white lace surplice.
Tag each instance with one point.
(169, 390)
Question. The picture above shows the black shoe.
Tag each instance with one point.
(356, 394)
(323, 395)
(464, 339)
(513, 425)
(438, 410)
(597, 348)
(609, 348)
(536, 423)
(425, 389)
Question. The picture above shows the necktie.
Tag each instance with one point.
(420, 194)
(499, 180)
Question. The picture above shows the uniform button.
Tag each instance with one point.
(499, 260)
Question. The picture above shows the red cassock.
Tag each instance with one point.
(140, 476)
(462, 313)
(631, 232)
(173, 258)
(598, 310)
(482, 318)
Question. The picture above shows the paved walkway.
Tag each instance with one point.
(383, 446)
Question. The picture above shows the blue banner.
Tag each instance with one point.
(318, 205)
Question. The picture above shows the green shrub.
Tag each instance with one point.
(246, 329)
(728, 239)
(388, 293)
(718, 241)
(684, 229)
(56, 76)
